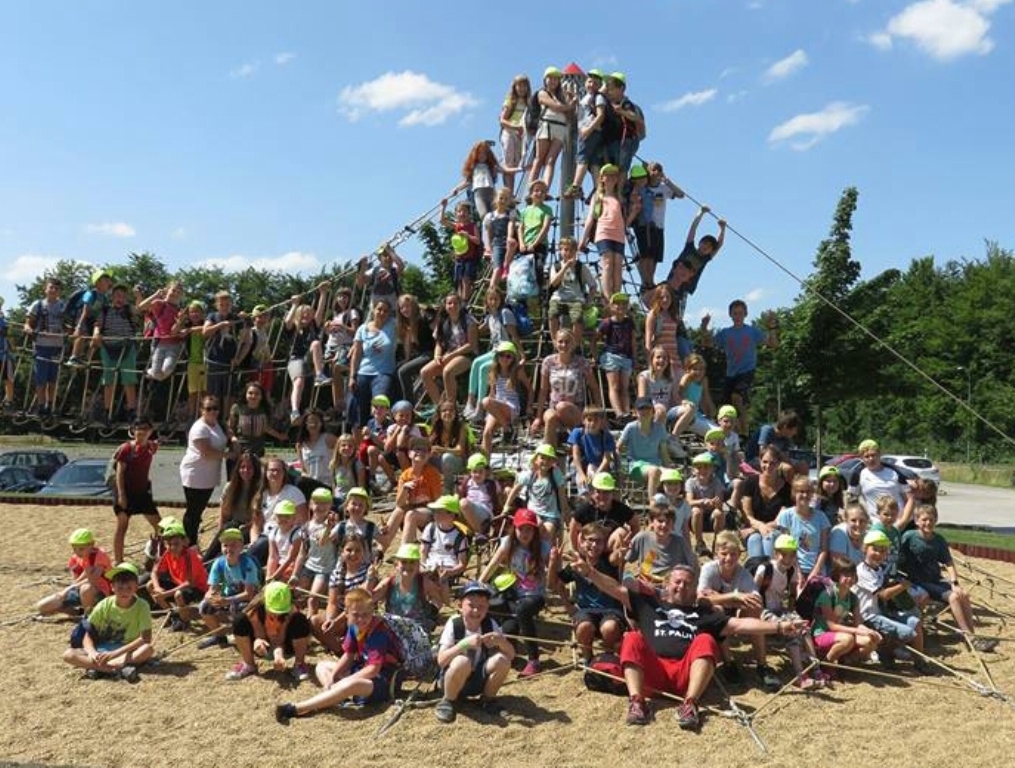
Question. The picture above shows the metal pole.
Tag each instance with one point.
(574, 83)
(969, 414)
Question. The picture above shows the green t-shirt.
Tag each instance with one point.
(532, 218)
(843, 608)
(922, 558)
(116, 626)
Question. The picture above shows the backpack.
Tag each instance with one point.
(751, 566)
(533, 112)
(72, 308)
(416, 654)
(809, 596)
(607, 664)
(612, 127)
(554, 489)
(116, 343)
(521, 278)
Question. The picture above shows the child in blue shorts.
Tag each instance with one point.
(617, 359)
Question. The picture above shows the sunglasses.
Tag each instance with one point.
(210, 408)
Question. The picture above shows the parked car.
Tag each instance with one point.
(80, 477)
(41, 462)
(18, 480)
(920, 466)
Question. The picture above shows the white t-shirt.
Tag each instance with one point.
(268, 501)
(874, 485)
(195, 470)
(448, 639)
(778, 588)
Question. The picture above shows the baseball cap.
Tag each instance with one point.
(642, 402)
(446, 503)
(507, 346)
(231, 534)
(459, 243)
(620, 298)
(476, 461)
(124, 567)
(702, 458)
(81, 537)
(381, 400)
(285, 508)
(727, 412)
(505, 580)
(714, 434)
(474, 588)
(638, 172)
(868, 445)
(401, 405)
(525, 516)
(785, 543)
(173, 530)
(876, 538)
(620, 77)
(408, 552)
(359, 492)
(671, 475)
(278, 598)
(323, 495)
(551, 72)
(99, 274)
(604, 481)
(547, 450)
(829, 471)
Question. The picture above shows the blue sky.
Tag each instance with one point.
(289, 135)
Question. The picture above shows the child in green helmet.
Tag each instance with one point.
(87, 565)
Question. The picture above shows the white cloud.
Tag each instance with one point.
(754, 295)
(787, 66)
(424, 101)
(113, 229)
(292, 261)
(811, 128)
(180, 233)
(28, 266)
(944, 29)
(284, 58)
(727, 72)
(606, 61)
(733, 97)
(691, 99)
(244, 70)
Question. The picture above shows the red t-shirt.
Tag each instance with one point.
(176, 567)
(137, 460)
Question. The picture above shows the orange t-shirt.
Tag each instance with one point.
(428, 487)
(176, 567)
(96, 558)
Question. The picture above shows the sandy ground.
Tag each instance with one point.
(184, 713)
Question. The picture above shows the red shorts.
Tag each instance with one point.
(667, 675)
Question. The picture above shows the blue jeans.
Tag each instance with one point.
(365, 389)
(761, 546)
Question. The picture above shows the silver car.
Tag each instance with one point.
(920, 466)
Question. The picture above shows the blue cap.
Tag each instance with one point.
(474, 588)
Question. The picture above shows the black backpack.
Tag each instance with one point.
(533, 112)
(612, 127)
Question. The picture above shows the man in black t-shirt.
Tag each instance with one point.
(675, 648)
(613, 514)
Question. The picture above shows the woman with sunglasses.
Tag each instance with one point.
(201, 466)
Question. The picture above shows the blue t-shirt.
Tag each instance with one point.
(592, 447)
(807, 533)
(741, 347)
(378, 350)
(642, 447)
(587, 596)
(231, 579)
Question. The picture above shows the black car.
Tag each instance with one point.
(18, 480)
(41, 462)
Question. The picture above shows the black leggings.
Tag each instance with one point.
(521, 620)
(197, 500)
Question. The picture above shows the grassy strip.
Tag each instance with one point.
(996, 475)
(977, 537)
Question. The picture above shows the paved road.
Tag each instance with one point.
(979, 505)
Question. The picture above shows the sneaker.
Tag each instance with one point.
(8, 406)
(74, 362)
(470, 412)
(983, 644)
(731, 672)
(301, 673)
(128, 672)
(445, 711)
(687, 715)
(211, 642)
(921, 666)
(822, 677)
(901, 654)
(284, 713)
(638, 711)
(531, 668)
(45, 411)
(176, 624)
(807, 683)
(702, 551)
(240, 671)
(887, 661)
(294, 417)
(322, 380)
(770, 682)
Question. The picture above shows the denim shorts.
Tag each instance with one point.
(609, 246)
(901, 626)
(611, 361)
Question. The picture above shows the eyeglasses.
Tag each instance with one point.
(210, 408)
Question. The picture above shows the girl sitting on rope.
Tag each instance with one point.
(522, 555)
(407, 593)
(503, 406)
(837, 629)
